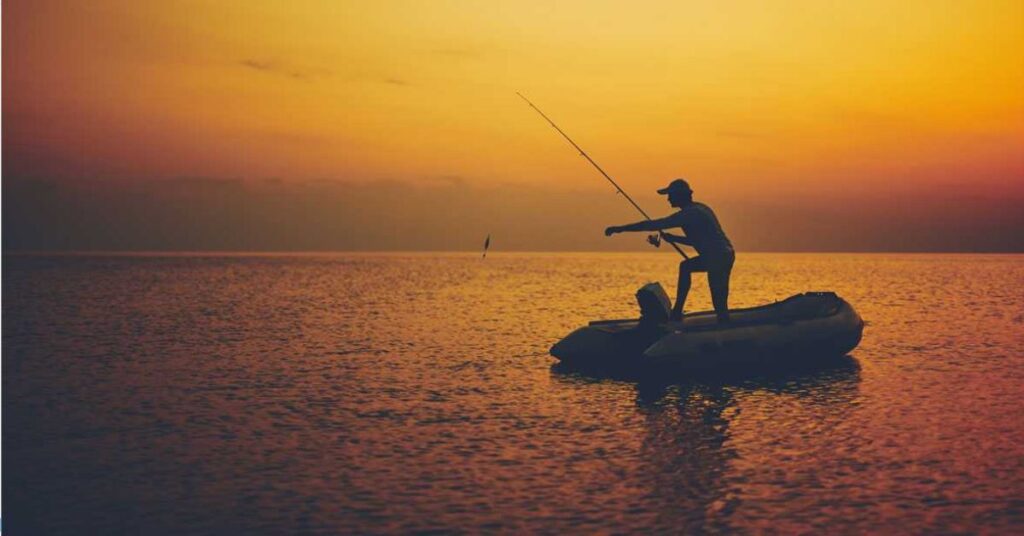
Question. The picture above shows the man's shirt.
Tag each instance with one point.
(702, 228)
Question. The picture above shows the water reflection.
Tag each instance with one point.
(691, 453)
(402, 393)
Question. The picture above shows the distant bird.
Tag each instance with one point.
(487, 244)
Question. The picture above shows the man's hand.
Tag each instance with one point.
(612, 230)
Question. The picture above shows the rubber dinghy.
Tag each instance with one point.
(805, 327)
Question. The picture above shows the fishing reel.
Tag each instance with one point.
(654, 240)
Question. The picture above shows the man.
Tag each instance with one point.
(701, 231)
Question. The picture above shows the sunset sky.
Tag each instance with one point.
(395, 125)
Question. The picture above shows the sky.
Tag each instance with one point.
(309, 125)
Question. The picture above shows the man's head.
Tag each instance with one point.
(678, 192)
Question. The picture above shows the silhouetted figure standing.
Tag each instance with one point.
(701, 231)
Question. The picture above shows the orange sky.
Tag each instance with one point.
(812, 99)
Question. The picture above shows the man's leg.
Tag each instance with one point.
(718, 280)
(687, 267)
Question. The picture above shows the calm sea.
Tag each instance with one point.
(379, 393)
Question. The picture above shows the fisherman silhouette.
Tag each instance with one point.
(702, 231)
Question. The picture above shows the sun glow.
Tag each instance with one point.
(813, 99)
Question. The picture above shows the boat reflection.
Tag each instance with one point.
(694, 461)
(767, 375)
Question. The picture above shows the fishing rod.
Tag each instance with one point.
(611, 180)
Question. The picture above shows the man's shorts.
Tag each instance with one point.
(718, 262)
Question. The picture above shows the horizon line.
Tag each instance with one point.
(284, 252)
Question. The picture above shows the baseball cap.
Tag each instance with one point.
(678, 185)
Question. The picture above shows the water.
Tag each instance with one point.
(395, 393)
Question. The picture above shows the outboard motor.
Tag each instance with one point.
(655, 306)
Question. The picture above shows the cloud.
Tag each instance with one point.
(286, 69)
(447, 212)
(272, 67)
(441, 213)
(452, 180)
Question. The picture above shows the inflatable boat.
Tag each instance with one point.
(805, 327)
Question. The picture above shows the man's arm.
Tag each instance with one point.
(676, 239)
(647, 225)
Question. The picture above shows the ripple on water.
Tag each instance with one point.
(401, 393)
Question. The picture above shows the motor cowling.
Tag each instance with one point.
(655, 305)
